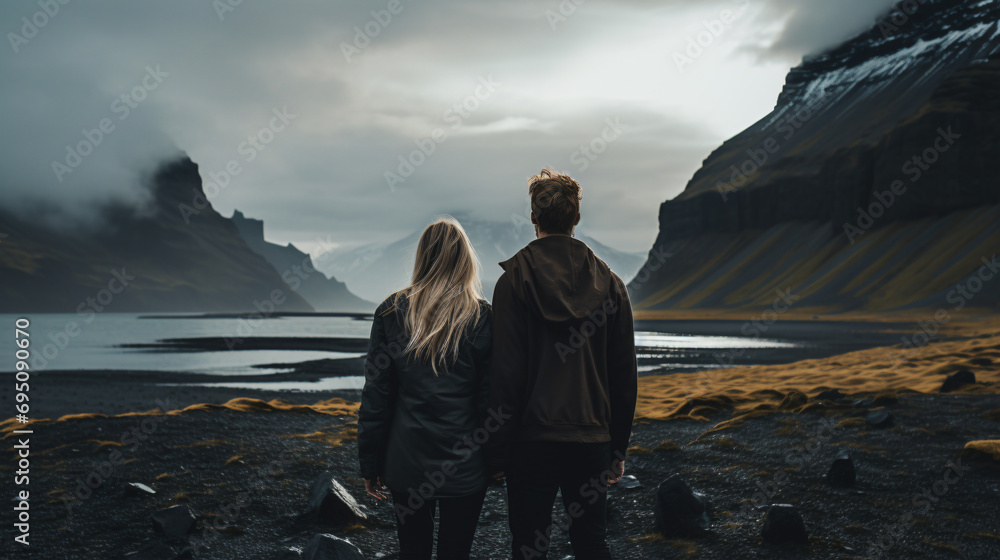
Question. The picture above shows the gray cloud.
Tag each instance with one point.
(814, 25)
(324, 175)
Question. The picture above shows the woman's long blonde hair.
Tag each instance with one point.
(443, 295)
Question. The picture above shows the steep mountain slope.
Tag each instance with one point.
(872, 184)
(296, 268)
(375, 271)
(153, 261)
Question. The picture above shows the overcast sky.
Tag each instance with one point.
(498, 89)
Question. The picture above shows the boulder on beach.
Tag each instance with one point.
(885, 399)
(332, 503)
(629, 482)
(783, 524)
(324, 546)
(842, 472)
(831, 395)
(175, 522)
(880, 418)
(958, 380)
(679, 511)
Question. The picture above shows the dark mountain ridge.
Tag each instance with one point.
(176, 255)
(298, 271)
(871, 145)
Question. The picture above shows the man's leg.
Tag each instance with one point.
(457, 526)
(531, 491)
(585, 495)
(414, 527)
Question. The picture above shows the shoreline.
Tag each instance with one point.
(61, 392)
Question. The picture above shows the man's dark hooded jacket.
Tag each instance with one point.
(564, 365)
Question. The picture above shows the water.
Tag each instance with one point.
(96, 346)
(68, 342)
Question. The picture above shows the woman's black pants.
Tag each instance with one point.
(456, 526)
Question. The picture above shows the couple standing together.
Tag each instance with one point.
(539, 389)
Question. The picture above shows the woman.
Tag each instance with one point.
(425, 395)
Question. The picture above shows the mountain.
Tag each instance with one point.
(375, 271)
(176, 255)
(870, 186)
(296, 268)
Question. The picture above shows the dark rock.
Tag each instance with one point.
(958, 380)
(679, 511)
(842, 472)
(138, 489)
(629, 482)
(175, 522)
(880, 418)
(884, 400)
(831, 395)
(864, 403)
(329, 547)
(289, 554)
(332, 503)
(152, 550)
(783, 524)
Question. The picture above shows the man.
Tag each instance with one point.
(563, 382)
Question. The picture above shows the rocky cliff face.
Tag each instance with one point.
(178, 254)
(296, 268)
(893, 130)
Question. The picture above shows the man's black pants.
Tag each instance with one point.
(538, 469)
(456, 526)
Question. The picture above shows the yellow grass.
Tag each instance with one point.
(694, 395)
(331, 439)
(987, 448)
(333, 407)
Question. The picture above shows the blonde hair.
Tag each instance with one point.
(443, 295)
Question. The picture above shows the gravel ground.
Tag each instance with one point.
(211, 459)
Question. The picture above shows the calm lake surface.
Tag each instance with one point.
(69, 342)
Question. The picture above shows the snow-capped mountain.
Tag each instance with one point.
(872, 184)
(375, 271)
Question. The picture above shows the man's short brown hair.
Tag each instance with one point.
(555, 201)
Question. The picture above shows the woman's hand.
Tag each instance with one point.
(375, 488)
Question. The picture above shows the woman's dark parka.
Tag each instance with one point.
(417, 430)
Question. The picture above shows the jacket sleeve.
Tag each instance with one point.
(484, 358)
(622, 372)
(377, 402)
(507, 376)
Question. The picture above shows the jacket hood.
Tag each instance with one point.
(560, 277)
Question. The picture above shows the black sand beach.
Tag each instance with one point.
(224, 460)
(257, 461)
